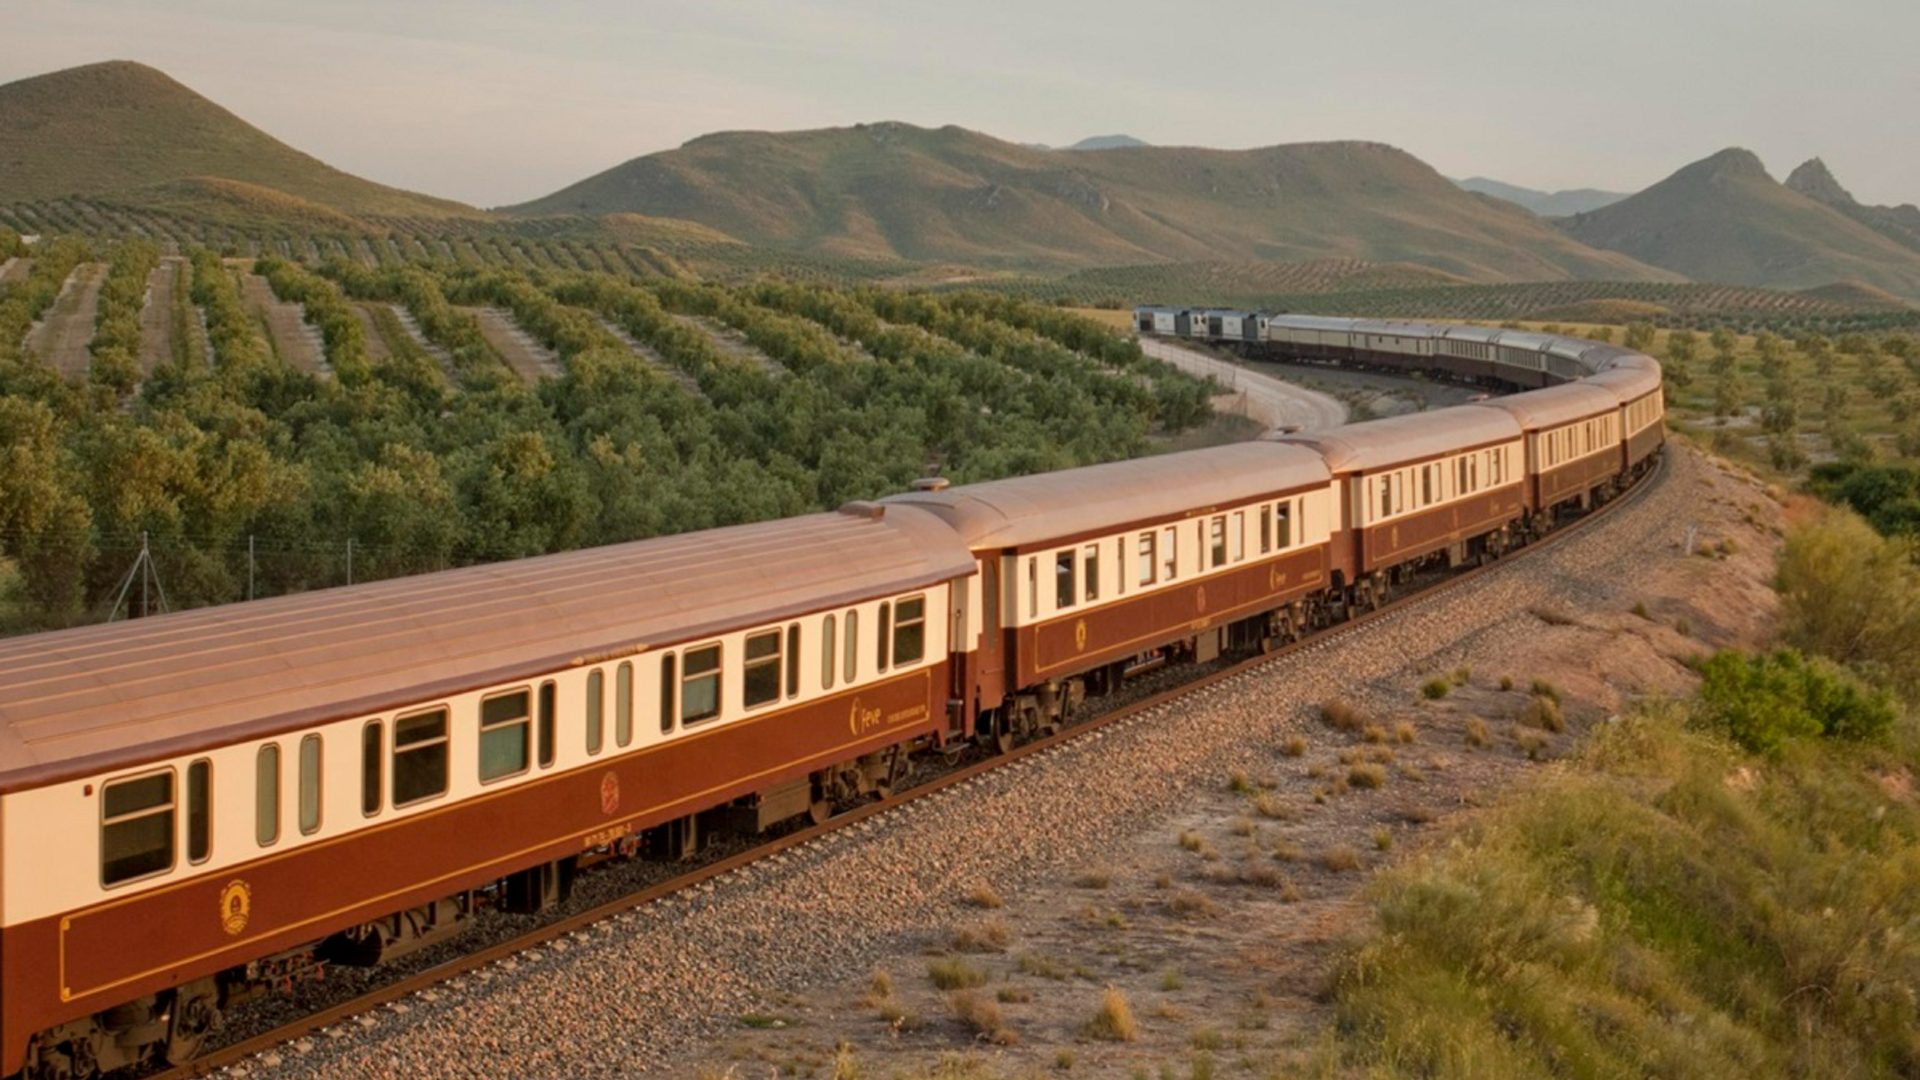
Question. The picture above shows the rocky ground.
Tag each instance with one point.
(1203, 860)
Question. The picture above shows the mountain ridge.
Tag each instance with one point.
(1724, 218)
(1900, 223)
(1547, 204)
(948, 194)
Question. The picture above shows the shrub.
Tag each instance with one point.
(987, 935)
(1093, 879)
(981, 1015)
(1543, 713)
(1366, 774)
(1340, 858)
(1239, 783)
(1403, 732)
(1341, 716)
(1506, 682)
(1545, 689)
(1187, 903)
(1852, 596)
(1382, 838)
(1113, 1020)
(953, 973)
(983, 895)
(1436, 688)
(1294, 746)
(1478, 733)
(1762, 702)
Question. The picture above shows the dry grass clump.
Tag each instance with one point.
(1340, 858)
(1288, 851)
(1367, 774)
(1462, 675)
(1044, 967)
(1189, 904)
(1382, 838)
(1543, 713)
(1342, 716)
(1436, 688)
(987, 935)
(1239, 782)
(1272, 806)
(1012, 995)
(1553, 616)
(1532, 742)
(1640, 609)
(954, 973)
(983, 895)
(1093, 879)
(1113, 1020)
(1373, 733)
(1506, 682)
(981, 1015)
(1404, 733)
(1295, 746)
(1478, 734)
(1545, 689)
(1192, 841)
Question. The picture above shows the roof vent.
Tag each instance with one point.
(864, 509)
(932, 483)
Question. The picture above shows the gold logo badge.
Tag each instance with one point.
(236, 903)
(1080, 635)
(1200, 598)
(609, 794)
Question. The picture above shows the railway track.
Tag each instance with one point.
(438, 973)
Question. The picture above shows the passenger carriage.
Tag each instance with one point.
(1573, 443)
(1088, 573)
(1448, 483)
(186, 794)
(1635, 382)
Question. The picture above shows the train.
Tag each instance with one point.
(203, 807)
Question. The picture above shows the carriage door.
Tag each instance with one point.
(990, 662)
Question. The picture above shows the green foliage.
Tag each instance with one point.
(1660, 877)
(1852, 595)
(1761, 702)
(1888, 496)
(116, 335)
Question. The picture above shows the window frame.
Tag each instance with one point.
(546, 736)
(1066, 570)
(1237, 537)
(1090, 572)
(593, 712)
(394, 750)
(317, 787)
(669, 691)
(829, 650)
(1170, 553)
(524, 722)
(793, 661)
(261, 836)
(717, 674)
(900, 625)
(373, 798)
(851, 647)
(171, 808)
(749, 663)
(1149, 542)
(205, 765)
(883, 641)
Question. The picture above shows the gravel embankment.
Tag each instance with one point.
(634, 993)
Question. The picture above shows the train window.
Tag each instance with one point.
(136, 828)
(910, 630)
(1283, 523)
(760, 673)
(371, 752)
(1090, 570)
(667, 684)
(883, 641)
(419, 757)
(1063, 581)
(1386, 496)
(596, 711)
(1426, 485)
(504, 720)
(310, 785)
(1169, 553)
(1148, 563)
(543, 733)
(1399, 491)
(623, 705)
(199, 810)
(700, 685)
(793, 660)
(1120, 564)
(828, 655)
(266, 794)
(1266, 530)
(1460, 475)
(1237, 536)
(852, 668)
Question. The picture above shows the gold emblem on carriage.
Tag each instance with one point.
(1080, 635)
(1200, 598)
(236, 903)
(1276, 577)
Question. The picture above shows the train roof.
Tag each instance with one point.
(1377, 444)
(87, 700)
(1556, 405)
(1626, 383)
(1055, 506)
(1313, 322)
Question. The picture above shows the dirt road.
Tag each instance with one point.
(1270, 401)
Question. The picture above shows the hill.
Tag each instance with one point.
(1725, 219)
(126, 130)
(892, 190)
(1107, 142)
(1900, 224)
(1545, 203)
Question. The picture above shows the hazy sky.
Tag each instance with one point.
(493, 102)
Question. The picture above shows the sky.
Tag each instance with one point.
(493, 103)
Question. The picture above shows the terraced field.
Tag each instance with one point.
(158, 343)
(294, 340)
(528, 358)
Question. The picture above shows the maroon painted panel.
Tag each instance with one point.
(64, 967)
